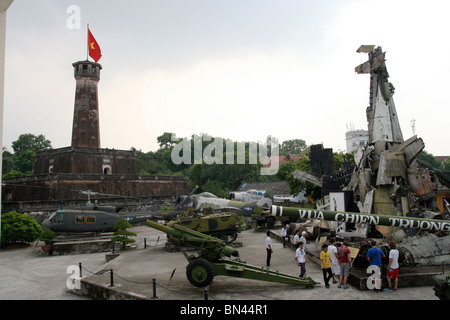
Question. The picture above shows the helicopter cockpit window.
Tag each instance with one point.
(52, 217)
(56, 217)
(79, 219)
(207, 195)
(90, 219)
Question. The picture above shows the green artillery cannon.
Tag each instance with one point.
(372, 219)
(214, 259)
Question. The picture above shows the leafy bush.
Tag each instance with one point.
(121, 234)
(47, 236)
(19, 227)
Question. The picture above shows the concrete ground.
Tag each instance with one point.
(134, 271)
(27, 275)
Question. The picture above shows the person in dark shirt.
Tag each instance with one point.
(344, 264)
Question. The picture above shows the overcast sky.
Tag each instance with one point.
(237, 69)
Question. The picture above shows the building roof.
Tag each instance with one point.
(285, 159)
(442, 158)
(279, 188)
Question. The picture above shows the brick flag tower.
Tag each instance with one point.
(86, 129)
(60, 174)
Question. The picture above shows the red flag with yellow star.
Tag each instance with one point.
(94, 49)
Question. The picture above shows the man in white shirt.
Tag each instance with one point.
(301, 258)
(335, 269)
(285, 235)
(393, 267)
(303, 239)
(297, 239)
(268, 248)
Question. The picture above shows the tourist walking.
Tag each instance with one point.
(374, 256)
(301, 258)
(303, 239)
(325, 260)
(344, 264)
(284, 235)
(297, 239)
(269, 248)
(335, 269)
(393, 267)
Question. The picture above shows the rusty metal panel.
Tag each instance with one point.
(421, 182)
(365, 182)
(411, 147)
(412, 150)
(363, 68)
(383, 204)
(378, 61)
(365, 48)
(392, 164)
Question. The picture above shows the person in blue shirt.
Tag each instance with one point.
(375, 256)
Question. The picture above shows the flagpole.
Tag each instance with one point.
(87, 48)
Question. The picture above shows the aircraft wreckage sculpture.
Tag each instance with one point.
(214, 259)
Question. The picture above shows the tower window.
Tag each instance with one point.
(107, 169)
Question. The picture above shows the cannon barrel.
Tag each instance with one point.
(180, 231)
(183, 236)
(163, 228)
(352, 217)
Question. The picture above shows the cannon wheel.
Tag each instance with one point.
(270, 222)
(233, 237)
(200, 272)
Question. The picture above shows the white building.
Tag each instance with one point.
(356, 139)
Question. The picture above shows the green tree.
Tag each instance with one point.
(25, 148)
(160, 161)
(7, 161)
(428, 160)
(446, 165)
(121, 234)
(294, 146)
(212, 177)
(150, 163)
(19, 227)
(341, 159)
(15, 174)
(286, 172)
(219, 179)
(165, 140)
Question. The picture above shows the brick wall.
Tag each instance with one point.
(85, 160)
(66, 187)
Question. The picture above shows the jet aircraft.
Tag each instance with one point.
(209, 200)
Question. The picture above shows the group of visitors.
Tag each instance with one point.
(336, 260)
(375, 256)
